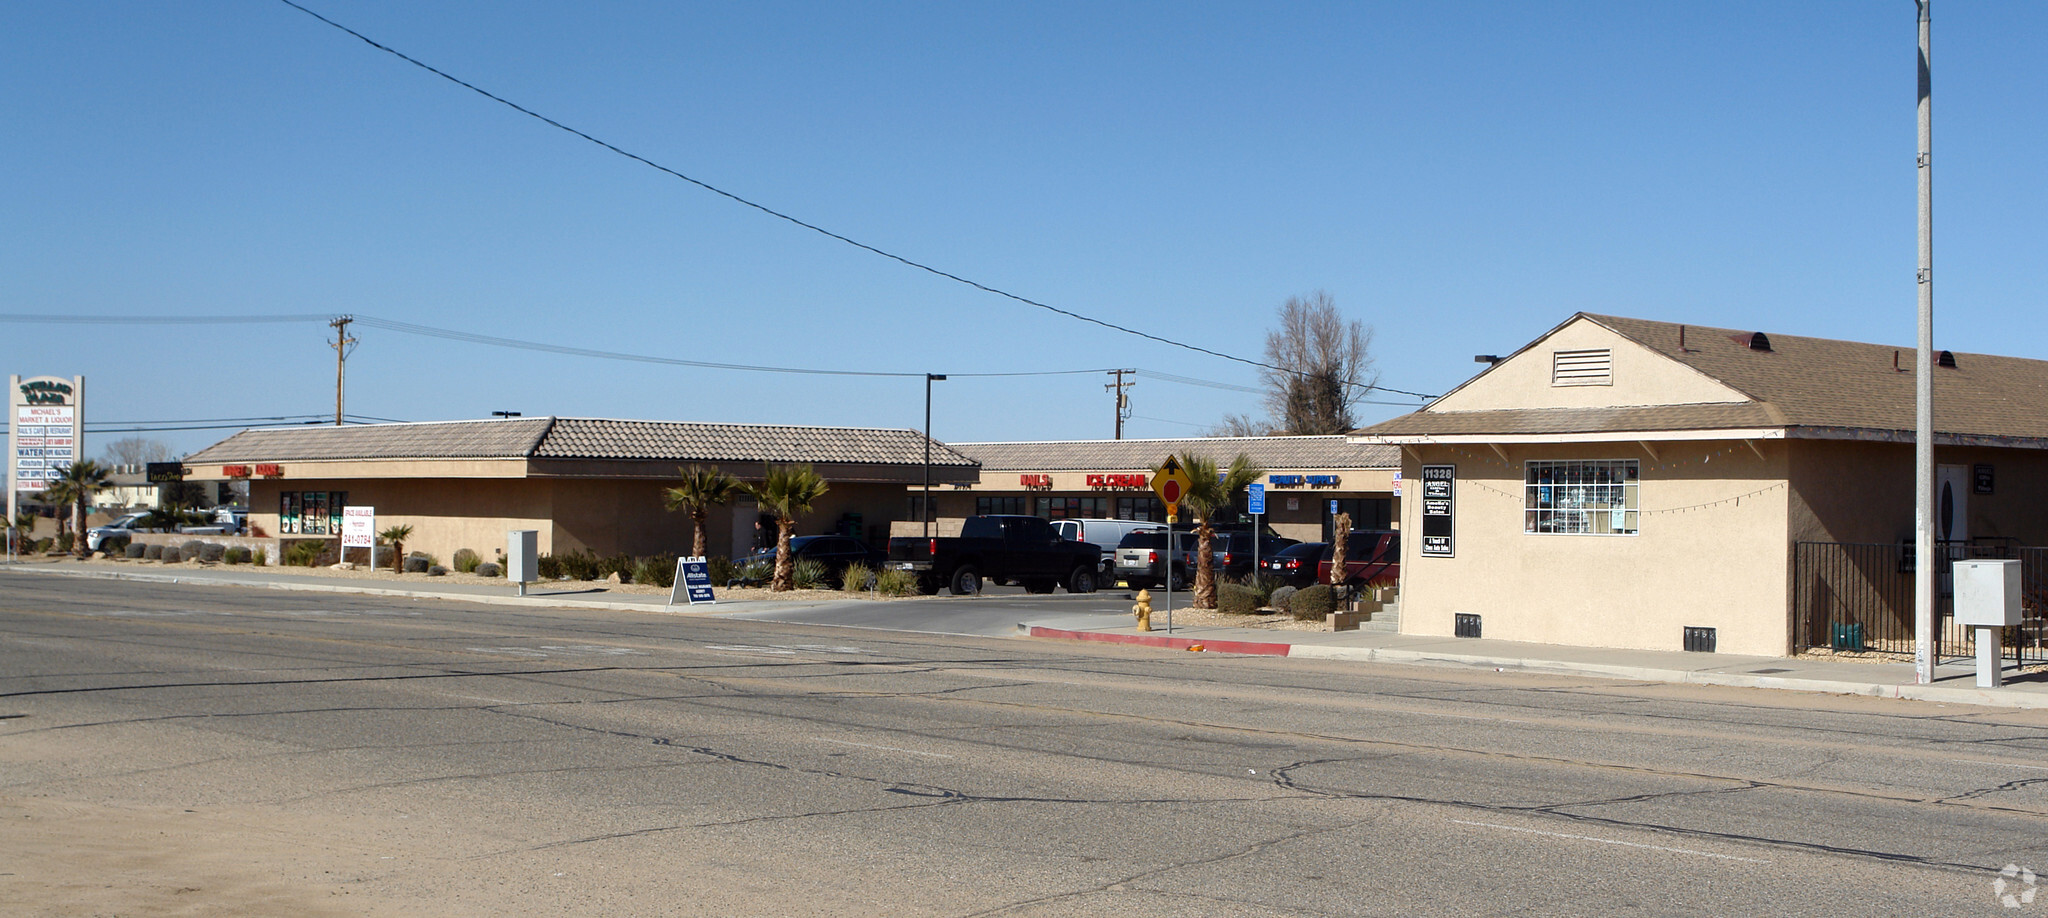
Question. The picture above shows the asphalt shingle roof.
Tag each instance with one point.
(581, 438)
(1799, 382)
(1326, 452)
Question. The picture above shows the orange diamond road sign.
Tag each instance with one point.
(1170, 482)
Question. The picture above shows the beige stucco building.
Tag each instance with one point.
(584, 483)
(1619, 481)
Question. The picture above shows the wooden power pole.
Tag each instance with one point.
(1123, 399)
(342, 344)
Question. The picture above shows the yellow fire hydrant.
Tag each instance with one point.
(1143, 610)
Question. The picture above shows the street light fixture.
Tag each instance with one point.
(925, 510)
(504, 414)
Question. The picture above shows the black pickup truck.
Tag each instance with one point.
(1024, 549)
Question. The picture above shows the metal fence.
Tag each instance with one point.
(1858, 598)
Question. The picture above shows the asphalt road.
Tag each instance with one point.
(190, 750)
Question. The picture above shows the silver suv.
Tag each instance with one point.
(1142, 562)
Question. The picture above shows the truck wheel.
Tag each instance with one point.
(966, 581)
(1180, 580)
(1082, 580)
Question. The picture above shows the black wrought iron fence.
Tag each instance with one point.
(1858, 598)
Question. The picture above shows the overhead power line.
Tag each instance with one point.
(365, 39)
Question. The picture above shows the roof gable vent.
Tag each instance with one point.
(1946, 360)
(1759, 342)
(1591, 367)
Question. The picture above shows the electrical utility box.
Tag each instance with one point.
(522, 557)
(1987, 593)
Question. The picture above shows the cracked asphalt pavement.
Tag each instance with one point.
(173, 749)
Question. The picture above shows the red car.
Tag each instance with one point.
(1370, 556)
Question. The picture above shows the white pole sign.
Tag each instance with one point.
(44, 415)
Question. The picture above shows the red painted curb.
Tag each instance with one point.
(1175, 643)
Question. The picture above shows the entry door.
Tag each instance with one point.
(1952, 503)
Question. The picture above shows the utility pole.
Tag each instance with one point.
(342, 344)
(1925, 556)
(1123, 399)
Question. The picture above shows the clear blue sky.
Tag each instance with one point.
(1460, 176)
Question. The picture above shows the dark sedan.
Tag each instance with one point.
(833, 551)
(1295, 565)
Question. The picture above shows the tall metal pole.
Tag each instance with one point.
(1926, 561)
(341, 343)
(925, 511)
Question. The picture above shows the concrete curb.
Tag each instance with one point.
(1160, 640)
(485, 599)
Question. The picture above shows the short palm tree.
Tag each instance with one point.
(24, 526)
(397, 535)
(1207, 493)
(76, 484)
(702, 489)
(788, 492)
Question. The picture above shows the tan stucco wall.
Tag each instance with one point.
(1847, 491)
(1641, 377)
(1722, 566)
(446, 514)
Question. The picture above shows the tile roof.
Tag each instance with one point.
(581, 438)
(1324, 452)
(1800, 382)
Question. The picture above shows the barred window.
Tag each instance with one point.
(1588, 497)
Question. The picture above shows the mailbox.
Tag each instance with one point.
(1987, 593)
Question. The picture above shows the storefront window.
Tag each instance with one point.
(1366, 512)
(1073, 508)
(1143, 509)
(310, 512)
(1008, 506)
(1587, 497)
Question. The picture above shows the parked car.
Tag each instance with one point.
(1370, 555)
(1141, 561)
(1101, 532)
(1001, 548)
(1233, 551)
(833, 551)
(234, 519)
(1294, 565)
(122, 525)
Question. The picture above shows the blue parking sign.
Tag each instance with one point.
(1257, 502)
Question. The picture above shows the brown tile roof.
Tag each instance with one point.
(1330, 452)
(1800, 382)
(581, 438)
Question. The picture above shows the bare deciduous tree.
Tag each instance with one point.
(1241, 425)
(138, 451)
(1324, 363)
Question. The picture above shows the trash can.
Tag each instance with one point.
(1847, 636)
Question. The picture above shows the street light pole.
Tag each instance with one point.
(1924, 549)
(925, 510)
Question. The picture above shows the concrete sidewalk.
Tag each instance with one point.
(1955, 681)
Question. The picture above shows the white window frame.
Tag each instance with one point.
(1597, 497)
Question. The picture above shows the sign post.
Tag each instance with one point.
(1170, 482)
(693, 582)
(1255, 504)
(359, 530)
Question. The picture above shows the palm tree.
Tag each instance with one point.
(76, 484)
(701, 490)
(1208, 492)
(397, 535)
(788, 492)
(24, 526)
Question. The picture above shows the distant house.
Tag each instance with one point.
(584, 483)
(1621, 483)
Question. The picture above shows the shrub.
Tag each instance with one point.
(116, 544)
(490, 569)
(303, 554)
(1280, 598)
(417, 563)
(620, 564)
(576, 565)
(153, 552)
(43, 546)
(658, 570)
(212, 551)
(1261, 586)
(721, 569)
(436, 570)
(548, 567)
(134, 549)
(756, 573)
(807, 574)
(892, 582)
(261, 558)
(64, 541)
(1313, 604)
(1236, 597)
(466, 561)
(859, 578)
(236, 555)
